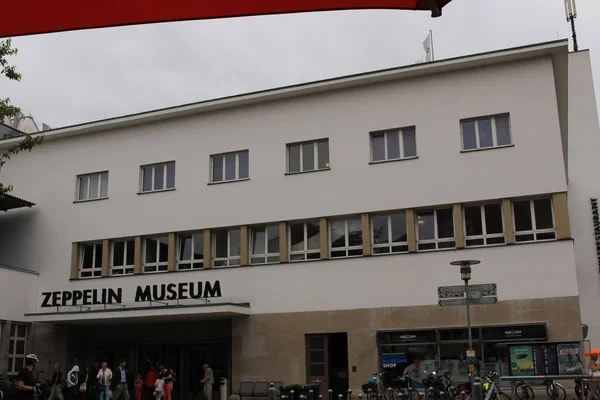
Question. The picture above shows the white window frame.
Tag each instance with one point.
(88, 179)
(158, 266)
(306, 251)
(485, 236)
(347, 248)
(125, 269)
(315, 144)
(96, 270)
(265, 257)
(389, 245)
(437, 239)
(535, 232)
(494, 133)
(194, 263)
(237, 166)
(230, 261)
(12, 354)
(164, 166)
(385, 133)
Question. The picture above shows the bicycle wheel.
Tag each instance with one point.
(524, 392)
(414, 394)
(556, 393)
(502, 396)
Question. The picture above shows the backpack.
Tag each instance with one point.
(173, 376)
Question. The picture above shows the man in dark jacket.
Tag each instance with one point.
(121, 381)
(92, 382)
(57, 377)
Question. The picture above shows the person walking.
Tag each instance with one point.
(104, 377)
(26, 382)
(208, 381)
(167, 378)
(159, 386)
(121, 382)
(138, 385)
(150, 383)
(72, 382)
(57, 377)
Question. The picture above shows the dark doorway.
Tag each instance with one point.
(338, 364)
(327, 362)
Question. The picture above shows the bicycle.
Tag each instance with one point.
(523, 391)
(555, 390)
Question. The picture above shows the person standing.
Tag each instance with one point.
(150, 383)
(595, 367)
(56, 383)
(104, 377)
(138, 385)
(167, 378)
(92, 382)
(121, 381)
(208, 381)
(26, 383)
(72, 382)
(159, 386)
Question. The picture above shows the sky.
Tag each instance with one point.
(80, 76)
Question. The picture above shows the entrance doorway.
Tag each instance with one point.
(327, 362)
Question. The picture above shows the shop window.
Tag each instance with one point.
(191, 251)
(17, 346)
(156, 254)
(264, 244)
(346, 237)
(389, 233)
(435, 229)
(226, 247)
(534, 220)
(483, 225)
(122, 257)
(305, 240)
(90, 260)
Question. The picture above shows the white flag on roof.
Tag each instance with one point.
(428, 47)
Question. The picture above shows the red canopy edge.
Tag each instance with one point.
(29, 17)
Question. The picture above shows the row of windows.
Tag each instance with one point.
(388, 145)
(483, 225)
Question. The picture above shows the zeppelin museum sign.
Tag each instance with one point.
(160, 292)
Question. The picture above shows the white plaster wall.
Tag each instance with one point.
(584, 184)
(18, 294)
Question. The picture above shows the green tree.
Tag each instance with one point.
(27, 142)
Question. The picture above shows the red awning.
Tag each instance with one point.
(28, 17)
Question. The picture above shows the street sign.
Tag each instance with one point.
(474, 294)
(458, 291)
(450, 292)
(470, 353)
(490, 288)
(463, 301)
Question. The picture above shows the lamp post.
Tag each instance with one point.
(465, 275)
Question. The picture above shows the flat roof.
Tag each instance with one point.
(552, 49)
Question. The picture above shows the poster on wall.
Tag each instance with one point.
(569, 359)
(521, 361)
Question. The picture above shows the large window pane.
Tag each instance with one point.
(217, 168)
(94, 186)
(297, 237)
(338, 233)
(163, 255)
(409, 142)
(221, 244)
(230, 167)
(308, 156)
(473, 223)
(273, 237)
(503, 130)
(244, 173)
(543, 214)
(147, 175)
(185, 247)
(312, 233)
(493, 218)
(522, 212)
(399, 227)
(445, 223)
(151, 247)
(323, 151)
(425, 222)
(234, 239)
(170, 175)
(294, 158)
(468, 135)
(485, 133)
(98, 256)
(380, 229)
(378, 147)
(354, 232)
(88, 256)
(118, 254)
(130, 252)
(104, 185)
(83, 187)
(258, 241)
(199, 246)
(393, 145)
(159, 175)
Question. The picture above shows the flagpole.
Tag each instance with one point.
(432, 53)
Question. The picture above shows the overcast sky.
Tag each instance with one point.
(81, 76)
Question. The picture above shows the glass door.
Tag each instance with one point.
(317, 361)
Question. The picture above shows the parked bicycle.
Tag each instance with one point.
(8, 388)
(554, 390)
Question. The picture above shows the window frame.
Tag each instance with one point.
(127, 269)
(306, 251)
(154, 166)
(12, 354)
(95, 271)
(237, 178)
(485, 236)
(390, 244)
(385, 133)
(494, 132)
(315, 143)
(266, 255)
(88, 177)
(535, 232)
(228, 260)
(159, 266)
(193, 262)
(437, 239)
(347, 249)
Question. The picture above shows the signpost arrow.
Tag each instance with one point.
(463, 301)
(451, 292)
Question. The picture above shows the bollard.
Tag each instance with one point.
(272, 394)
(330, 394)
(340, 397)
(477, 390)
(292, 393)
(391, 393)
(369, 394)
(311, 394)
(320, 397)
(349, 394)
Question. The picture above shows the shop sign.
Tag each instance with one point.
(407, 337)
(515, 332)
(105, 296)
(392, 360)
(596, 219)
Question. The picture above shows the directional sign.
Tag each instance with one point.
(458, 291)
(451, 292)
(463, 301)
(485, 288)
(474, 294)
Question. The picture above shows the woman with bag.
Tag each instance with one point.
(72, 382)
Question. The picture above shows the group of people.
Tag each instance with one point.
(101, 383)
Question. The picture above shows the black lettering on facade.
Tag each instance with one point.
(596, 219)
(172, 293)
(143, 294)
(95, 297)
(46, 301)
(55, 299)
(114, 297)
(87, 297)
(77, 295)
(155, 292)
(212, 291)
(196, 294)
(66, 297)
(183, 288)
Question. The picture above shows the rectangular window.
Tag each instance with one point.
(226, 247)
(346, 237)
(92, 186)
(485, 132)
(230, 166)
(264, 242)
(389, 233)
(90, 260)
(157, 177)
(191, 251)
(122, 257)
(483, 225)
(305, 240)
(17, 348)
(156, 254)
(435, 229)
(534, 220)
(308, 156)
(393, 144)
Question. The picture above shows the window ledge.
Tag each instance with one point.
(308, 172)
(394, 160)
(487, 148)
(90, 200)
(232, 181)
(157, 191)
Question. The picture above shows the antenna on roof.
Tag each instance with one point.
(571, 14)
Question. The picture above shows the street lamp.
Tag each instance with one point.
(465, 275)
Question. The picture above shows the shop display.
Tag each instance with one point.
(545, 359)
(521, 361)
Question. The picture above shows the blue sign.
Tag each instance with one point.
(392, 360)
